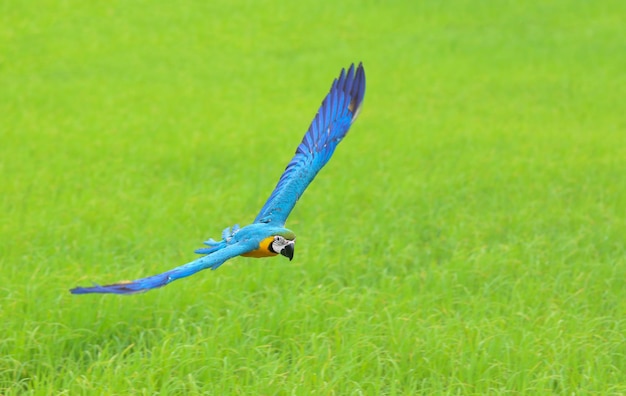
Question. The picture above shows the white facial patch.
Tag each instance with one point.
(280, 242)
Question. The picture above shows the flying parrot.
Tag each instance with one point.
(267, 236)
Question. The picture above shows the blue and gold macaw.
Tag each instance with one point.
(267, 236)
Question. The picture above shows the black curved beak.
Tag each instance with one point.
(288, 251)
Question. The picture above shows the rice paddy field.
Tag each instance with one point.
(468, 237)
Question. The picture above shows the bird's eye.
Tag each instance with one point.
(277, 238)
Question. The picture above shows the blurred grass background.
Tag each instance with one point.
(466, 238)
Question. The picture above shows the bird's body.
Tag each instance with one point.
(263, 250)
(267, 236)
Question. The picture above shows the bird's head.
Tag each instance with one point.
(283, 243)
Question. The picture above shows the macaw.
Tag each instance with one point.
(267, 236)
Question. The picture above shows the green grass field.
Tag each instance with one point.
(468, 237)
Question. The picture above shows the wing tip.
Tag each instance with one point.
(121, 287)
(117, 288)
(351, 83)
(357, 92)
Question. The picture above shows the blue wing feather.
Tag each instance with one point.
(331, 123)
(212, 261)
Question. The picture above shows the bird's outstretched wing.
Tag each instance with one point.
(212, 261)
(338, 111)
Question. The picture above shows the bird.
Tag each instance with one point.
(267, 235)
